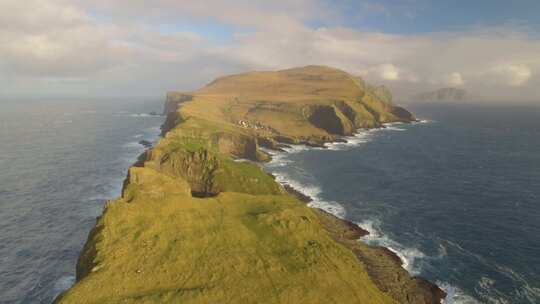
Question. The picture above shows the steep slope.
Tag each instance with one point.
(195, 224)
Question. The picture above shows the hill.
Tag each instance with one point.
(195, 225)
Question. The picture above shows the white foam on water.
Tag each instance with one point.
(395, 129)
(140, 115)
(133, 144)
(155, 129)
(423, 121)
(485, 287)
(393, 126)
(455, 295)
(361, 137)
(64, 283)
(408, 255)
(314, 192)
(531, 293)
(279, 159)
(296, 148)
(136, 115)
(132, 150)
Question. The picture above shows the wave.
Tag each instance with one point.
(128, 114)
(292, 149)
(483, 291)
(361, 137)
(314, 192)
(133, 144)
(454, 295)
(408, 255)
(486, 288)
(412, 258)
(132, 150)
(423, 121)
(140, 115)
(393, 126)
(279, 159)
(63, 283)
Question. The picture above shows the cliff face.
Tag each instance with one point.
(172, 101)
(195, 224)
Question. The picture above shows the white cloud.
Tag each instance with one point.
(512, 74)
(455, 79)
(115, 46)
(386, 71)
(389, 72)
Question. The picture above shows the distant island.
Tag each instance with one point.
(444, 94)
(195, 225)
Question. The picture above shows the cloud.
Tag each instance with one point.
(47, 38)
(386, 71)
(389, 72)
(118, 46)
(455, 80)
(251, 13)
(512, 75)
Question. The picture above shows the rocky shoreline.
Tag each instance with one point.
(348, 233)
(194, 225)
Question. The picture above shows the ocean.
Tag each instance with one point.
(59, 162)
(456, 195)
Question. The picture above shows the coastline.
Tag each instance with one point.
(195, 163)
(348, 233)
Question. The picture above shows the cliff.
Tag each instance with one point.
(195, 224)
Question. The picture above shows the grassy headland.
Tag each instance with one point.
(195, 225)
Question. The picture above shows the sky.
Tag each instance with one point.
(129, 48)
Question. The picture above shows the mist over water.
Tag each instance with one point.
(59, 162)
(456, 196)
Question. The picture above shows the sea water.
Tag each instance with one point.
(456, 195)
(59, 162)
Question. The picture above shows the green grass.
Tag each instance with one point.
(252, 242)
(233, 248)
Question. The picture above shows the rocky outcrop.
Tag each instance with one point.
(173, 118)
(328, 119)
(237, 145)
(174, 99)
(383, 265)
(196, 167)
(402, 113)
